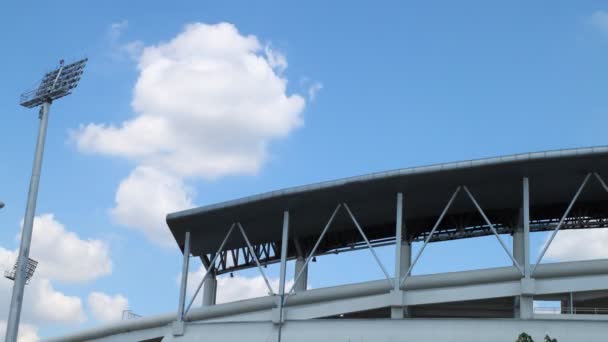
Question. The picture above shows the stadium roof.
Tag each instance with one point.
(496, 183)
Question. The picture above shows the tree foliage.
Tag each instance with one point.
(523, 337)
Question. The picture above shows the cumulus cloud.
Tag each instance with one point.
(599, 19)
(230, 289)
(50, 305)
(207, 104)
(568, 245)
(42, 303)
(64, 256)
(106, 308)
(27, 332)
(145, 197)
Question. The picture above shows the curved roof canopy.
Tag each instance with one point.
(496, 183)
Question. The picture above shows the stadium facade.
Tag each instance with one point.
(512, 195)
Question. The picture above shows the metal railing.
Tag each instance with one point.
(579, 310)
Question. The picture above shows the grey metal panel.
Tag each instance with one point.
(496, 182)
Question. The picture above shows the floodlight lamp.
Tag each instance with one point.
(55, 84)
(30, 268)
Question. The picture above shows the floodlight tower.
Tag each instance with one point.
(54, 85)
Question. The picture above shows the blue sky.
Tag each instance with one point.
(400, 85)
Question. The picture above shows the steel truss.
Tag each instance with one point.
(585, 216)
(262, 254)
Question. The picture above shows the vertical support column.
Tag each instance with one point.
(526, 221)
(403, 257)
(283, 271)
(302, 283)
(178, 327)
(518, 240)
(518, 253)
(284, 243)
(526, 300)
(210, 290)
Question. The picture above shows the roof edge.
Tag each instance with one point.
(416, 170)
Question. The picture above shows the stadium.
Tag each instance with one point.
(511, 195)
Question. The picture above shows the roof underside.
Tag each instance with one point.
(496, 183)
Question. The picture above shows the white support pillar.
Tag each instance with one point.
(210, 290)
(518, 253)
(302, 283)
(571, 303)
(518, 240)
(403, 258)
(526, 300)
(283, 271)
(178, 325)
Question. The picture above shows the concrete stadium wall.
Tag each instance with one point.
(381, 330)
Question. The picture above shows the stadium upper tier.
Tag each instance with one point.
(496, 184)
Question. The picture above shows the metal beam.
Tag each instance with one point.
(219, 250)
(371, 249)
(561, 221)
(283, 273)
(426, 242)
(485, 218)
(284, 243)
(184, 282)
(314, 249)
(257, 261)
(601, 181)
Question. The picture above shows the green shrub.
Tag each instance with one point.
(549, 339)
(523, 337)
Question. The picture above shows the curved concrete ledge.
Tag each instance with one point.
(463, 278)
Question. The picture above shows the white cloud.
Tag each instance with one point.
(276, 60)
(116, 47)
(313, 90)
(230, 289)
(599, 19)
(49, 305)
(27, 332)
(106, 308)
(133, 49)
(207, 104)
(145, 197)
(64, 256)
(42, 304)
(116, 29)
(579, 245)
